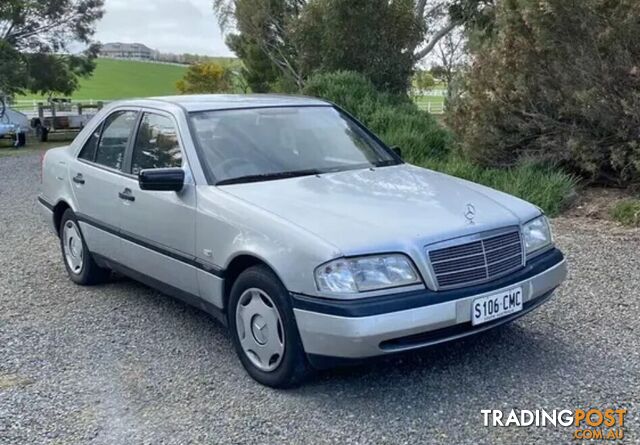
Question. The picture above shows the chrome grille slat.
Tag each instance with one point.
(483, 266)
(457, 258)
(500, 254)
(503, 259)
(517, 243)
(455, 252)
(499, 241)
(477, 261)
(454, 265)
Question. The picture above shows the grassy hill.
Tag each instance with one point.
(121, 79)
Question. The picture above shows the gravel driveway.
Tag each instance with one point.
(121, 363)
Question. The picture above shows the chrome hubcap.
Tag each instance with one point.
(260, 329)
(72, 245)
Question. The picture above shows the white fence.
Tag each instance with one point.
(431, 107)
(30, 106)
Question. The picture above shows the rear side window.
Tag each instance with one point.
(156, 144)
(89, 150)
(115, 138)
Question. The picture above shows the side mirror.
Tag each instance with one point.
(397, 150)
(161, 179)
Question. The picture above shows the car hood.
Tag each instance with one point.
(385, 209)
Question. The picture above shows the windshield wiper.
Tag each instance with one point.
(386, 163)
(269, 176)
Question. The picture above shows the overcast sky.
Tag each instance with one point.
(175, 26)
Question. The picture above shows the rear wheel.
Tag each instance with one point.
(80, 265)
(21, 140)
(264, 331)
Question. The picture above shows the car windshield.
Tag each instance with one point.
(262, 144)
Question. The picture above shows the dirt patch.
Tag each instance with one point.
(597, 202)
(8, 381)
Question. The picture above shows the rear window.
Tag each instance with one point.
(115, 138)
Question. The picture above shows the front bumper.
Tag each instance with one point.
(366, 329)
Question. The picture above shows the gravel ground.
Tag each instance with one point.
(120, 363)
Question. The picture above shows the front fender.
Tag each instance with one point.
(227, 227)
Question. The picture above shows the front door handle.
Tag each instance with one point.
(126, 195)
(78, 179)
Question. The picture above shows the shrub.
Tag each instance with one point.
(627, 212)
(558, 80)
(545, 186)
(394, 118)
(205, 77)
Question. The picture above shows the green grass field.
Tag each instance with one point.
(433, 103)
(121, 79)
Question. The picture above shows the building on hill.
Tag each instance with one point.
(136, 51)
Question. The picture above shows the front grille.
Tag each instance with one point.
(477, 261)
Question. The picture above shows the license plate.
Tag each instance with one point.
(496, 306)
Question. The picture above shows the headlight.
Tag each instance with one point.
(350, 275)
(537, 234)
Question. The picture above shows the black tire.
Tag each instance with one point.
(89, 272)
(293, 368)
(21, 140)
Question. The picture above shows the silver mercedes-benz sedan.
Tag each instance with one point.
(295, 226)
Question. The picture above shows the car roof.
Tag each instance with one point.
(212, 102)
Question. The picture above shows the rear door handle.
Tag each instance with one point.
(126, 195)
(78, 179)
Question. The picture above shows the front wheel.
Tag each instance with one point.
(264, 331)
(81, 267)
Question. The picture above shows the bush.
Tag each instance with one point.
(557, 81)
(398, 121)
(206, 77)
(394, 118)
(545, 186)
(627, 212)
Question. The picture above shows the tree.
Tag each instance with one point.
(48, 25)
(12, 70)
(335, 35)
(264, 26)
(258, 70)
(441, 17)
(267, 34)
(283, 42)
(450, 57)
(48, 74)
(423, 81)
(556, 81)
(31, 31)
(207, 77)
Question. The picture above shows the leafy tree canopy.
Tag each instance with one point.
(31, 31)
(48, 25)
(12, 69)
(335, 35)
